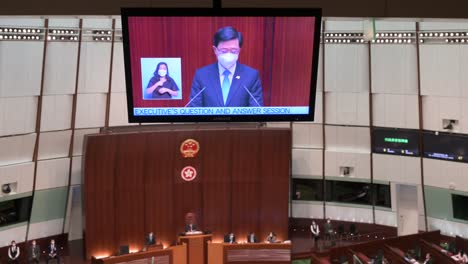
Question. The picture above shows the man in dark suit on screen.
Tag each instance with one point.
(226, 83)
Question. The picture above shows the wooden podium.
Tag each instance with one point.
(260, 253)
(196, 248)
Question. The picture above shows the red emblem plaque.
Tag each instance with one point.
(189, 148)
(188, 173)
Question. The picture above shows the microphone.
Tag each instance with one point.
(191, 100)
(252, 96)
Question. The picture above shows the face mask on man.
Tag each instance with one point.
(227, 60)
(162, 73)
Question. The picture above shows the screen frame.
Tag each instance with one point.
(222, 12)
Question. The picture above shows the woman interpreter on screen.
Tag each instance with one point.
(161, 85)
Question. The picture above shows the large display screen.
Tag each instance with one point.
(249, 64)
(445, 146)
(394, 141)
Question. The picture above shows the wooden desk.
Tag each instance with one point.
(196, 247)
(171, 255)
(258, 253)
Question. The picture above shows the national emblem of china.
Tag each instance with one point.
(189, 148)
(188, 173)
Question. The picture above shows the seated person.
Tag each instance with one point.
(271, 238)
(13, 253)
(251, 238)
(34, 253)
(428, 259)
(150, 239)
(52, 252)
(230, 238)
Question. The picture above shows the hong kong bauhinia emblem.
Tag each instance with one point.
(189, 148)
(188, 173)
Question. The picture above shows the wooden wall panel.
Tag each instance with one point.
(129, 191)
(274, 191)
(99, 192)
(133, 185)
(217, 182)
(245, 183)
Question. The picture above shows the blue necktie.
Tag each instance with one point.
(226, 85)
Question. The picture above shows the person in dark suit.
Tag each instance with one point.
(226, 83)
(271, 238)
(161, 85)
(251, 238)
(230, 238)
(190, 227)
(150, 239)
(34, 252)
(13, 253)
(52, 252)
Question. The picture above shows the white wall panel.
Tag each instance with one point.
(94, 69)
(118, 71)
(447, 228)
(118, 115)
(435, 109)
(443, 70)
(307, 135)
(440, 24)
(97, 22)
(301, 209)
(20, 68)
(320, 70)
(60, 68)
(352, 214)
(52, 173)
(21, 21)
(45, 229)
(54, 144)
(118, 22)
(348, 139)
(17, 149)
(306, 162)
(339, 24)
(90, 110)
(16, 233)
(446, 174)
(360, 162)
(347, 108)
(387, 218)
(318, 108)
(394, 110)
(78, 139)
(64, 22)
(346, 68)
(394, 69)
(399, 169)
(17, 115)
(74, 217)
(56, 112)
(76, 170)
(389, 24)
(22, 174)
